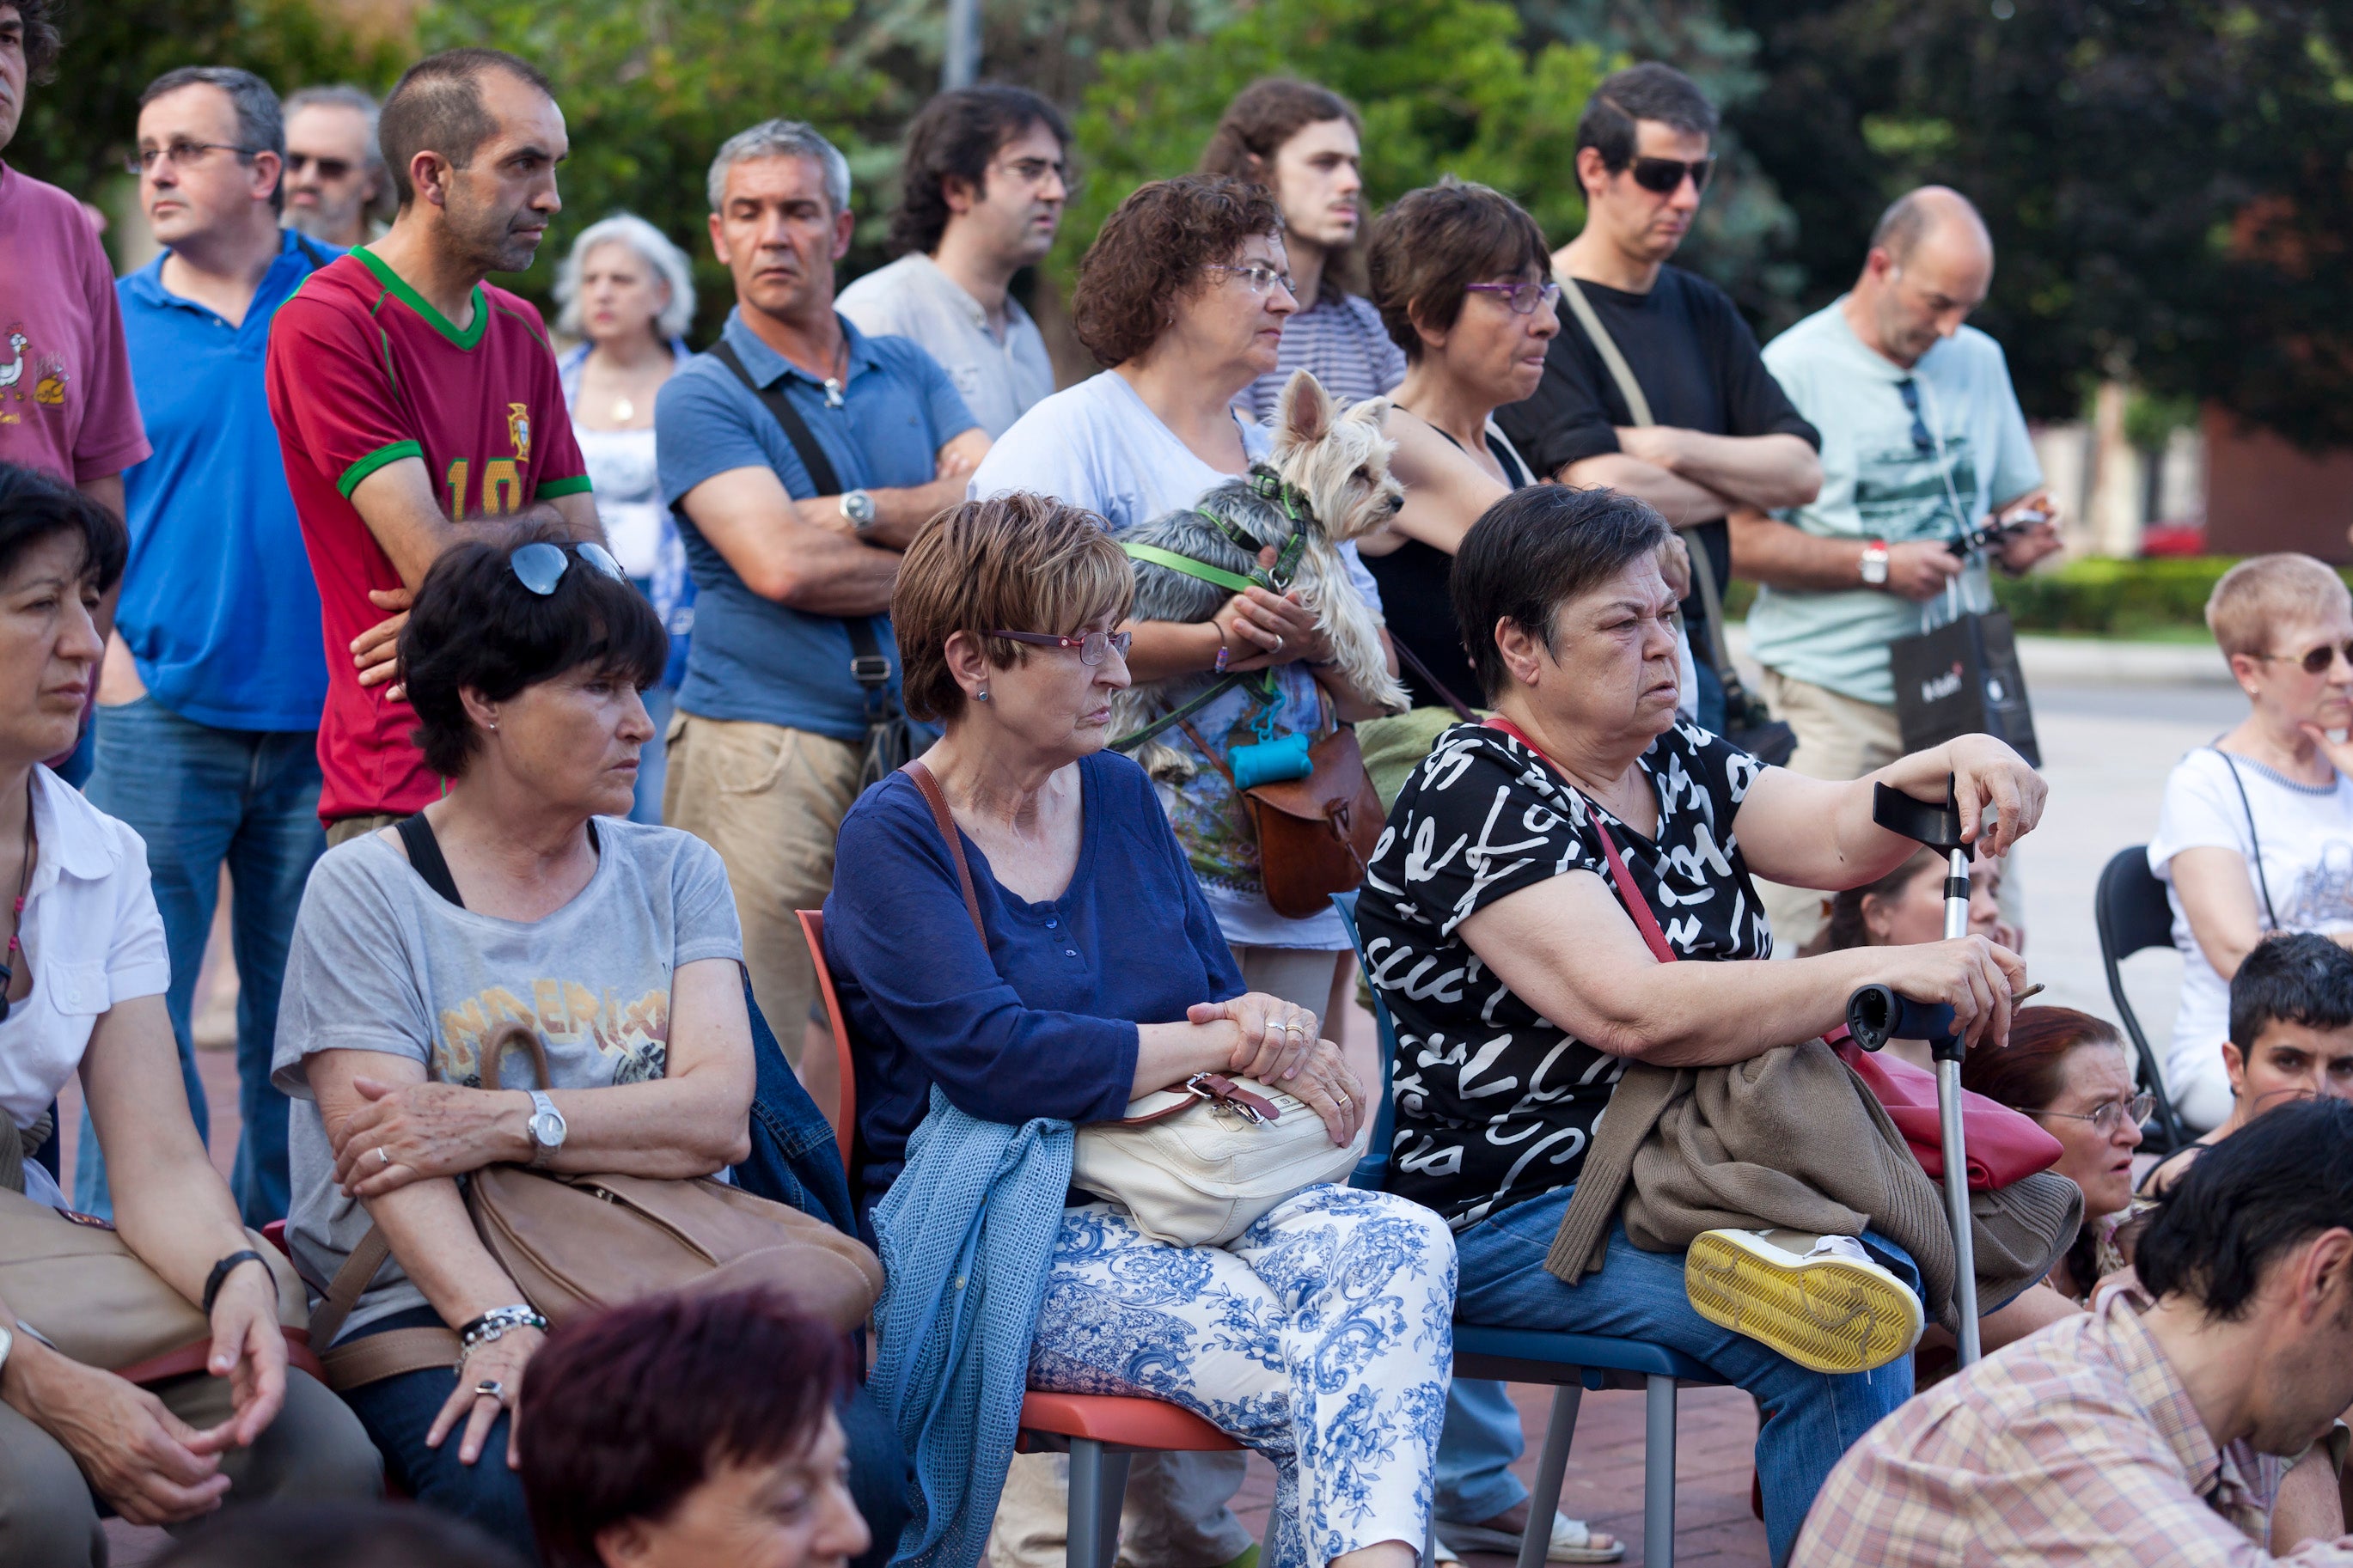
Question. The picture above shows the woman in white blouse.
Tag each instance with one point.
(2256, 833)
(84, 974)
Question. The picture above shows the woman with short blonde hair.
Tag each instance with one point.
(2257, 832)
(1080, 968)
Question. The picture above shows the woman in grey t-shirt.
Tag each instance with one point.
(519, 896)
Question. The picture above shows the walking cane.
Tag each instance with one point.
(1875, 1014)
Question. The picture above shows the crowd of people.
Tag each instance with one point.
(529, 704)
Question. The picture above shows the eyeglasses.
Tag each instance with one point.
(329, 168)
(1257, 276)
(1523, 297)
(1033, 172)
(1664, 176)
(181, 154)
(1093, 646)
(1921, 438)
(2315, 661)
(2112, 1115)
(539, 565)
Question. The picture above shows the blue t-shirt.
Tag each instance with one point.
(754, 658)
(219, 608)
(1043, 1021)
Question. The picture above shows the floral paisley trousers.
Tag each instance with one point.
(1322, 1338)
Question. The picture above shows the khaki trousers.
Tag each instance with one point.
(1839, 739)
(770, 800)
(316, 1451)
(343, 829)
(1174, 1514)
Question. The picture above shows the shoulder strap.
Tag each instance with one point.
(1413, 662)
(1637, 907)
(780, 408)
(1718, 653)
(1638, 405)
(938, 801)
(2271, 917)
(425, 856)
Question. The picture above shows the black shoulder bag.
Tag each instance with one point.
(890, 736)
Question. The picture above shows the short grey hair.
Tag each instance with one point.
(783, 139)
(652, 247)
(260, 124)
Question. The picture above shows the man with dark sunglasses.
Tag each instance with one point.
(335, 179)
(1923, 443)
(1714, 431)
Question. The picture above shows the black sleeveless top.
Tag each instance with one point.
(1416, 599)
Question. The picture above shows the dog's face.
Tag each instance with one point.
(1339, 461)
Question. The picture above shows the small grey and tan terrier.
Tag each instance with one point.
(1334, 468)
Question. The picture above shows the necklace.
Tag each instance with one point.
(623, 410)
(16, 919)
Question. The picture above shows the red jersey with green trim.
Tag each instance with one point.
(364, 372)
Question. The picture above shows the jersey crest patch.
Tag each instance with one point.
(519, 430)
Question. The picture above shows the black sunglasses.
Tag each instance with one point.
(539, 565)
(1921, 439)
(1664, 176)
(329, 168)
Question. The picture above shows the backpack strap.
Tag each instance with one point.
(425, 854)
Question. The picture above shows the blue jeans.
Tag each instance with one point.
(201, 797)
(661, 701)
(1476, 1450)
(1809, 1417)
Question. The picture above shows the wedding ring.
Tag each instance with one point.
(381, 1157)
(1292, 1029)
(1278, 642)
(493, 1388)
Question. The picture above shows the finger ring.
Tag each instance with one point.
(493, 1388)
(1292, 1029)
(1278, 642)
(381, 1157)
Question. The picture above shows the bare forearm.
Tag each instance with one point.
(1780, 555)
(1163, 648)
(1760, 470)
(1708, 1014)
(1680, 500)
(1168, 1054)
(434, 1240)
(828, 574)
(671, 1127)
(175, 1215)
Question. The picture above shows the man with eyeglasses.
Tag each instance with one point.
(414, 400)
(66, 402)
(1922, 440)
(1713, 430)
(206, 730)
(335, 177)
(984, 183)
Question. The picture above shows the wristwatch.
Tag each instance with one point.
(1874, 563)
(547, 1129)
(858, 510)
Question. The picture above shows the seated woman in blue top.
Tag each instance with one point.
(1320, 1336)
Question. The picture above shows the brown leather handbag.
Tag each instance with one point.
(573, 1244)
(1315, 835)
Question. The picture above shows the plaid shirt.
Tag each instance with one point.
(2078, 1446)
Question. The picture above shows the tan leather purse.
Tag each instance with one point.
(1315, 835)
(1195, 1165)
(75, 1281)
(575, 1243)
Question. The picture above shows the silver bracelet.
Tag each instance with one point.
(496, 1325)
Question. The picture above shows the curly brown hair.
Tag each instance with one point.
(42, 42)
(1154, 250)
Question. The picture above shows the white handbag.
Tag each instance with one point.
(1198, 1164)
(1195, 1165)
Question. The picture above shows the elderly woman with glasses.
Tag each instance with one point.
(522, 896)
(1098, 975)
(2257, 832)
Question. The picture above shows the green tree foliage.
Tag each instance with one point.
(77, 129)
(2169, 183)
(650, 89)
(1445, 87)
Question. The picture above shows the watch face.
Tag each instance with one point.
(859, 506)
(547, 1129)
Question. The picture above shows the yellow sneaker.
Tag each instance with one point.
(1819, 1301)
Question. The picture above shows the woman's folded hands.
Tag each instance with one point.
(416, 1132)
(1276, 1044)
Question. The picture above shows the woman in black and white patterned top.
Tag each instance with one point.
(1520, 983)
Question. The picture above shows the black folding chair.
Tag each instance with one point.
(2131, 912)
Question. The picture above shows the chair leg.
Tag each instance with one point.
(1082, 1540)
(1114, 1503)
(1658, 1472)
(1544, 1502)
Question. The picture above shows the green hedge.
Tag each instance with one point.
(2099, 596)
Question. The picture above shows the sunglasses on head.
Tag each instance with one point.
(539, 566)
(2315, 661)
(329, 168)
(1664, 176)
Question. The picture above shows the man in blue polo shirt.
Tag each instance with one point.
(792, 570)
(209, 698)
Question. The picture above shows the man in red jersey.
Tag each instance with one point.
(415, 403)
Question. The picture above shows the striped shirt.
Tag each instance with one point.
(1344, 342)
(2079, 1445)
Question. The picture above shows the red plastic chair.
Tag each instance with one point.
(1101, 1431)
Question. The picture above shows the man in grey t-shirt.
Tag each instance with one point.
(984, 182)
